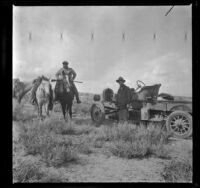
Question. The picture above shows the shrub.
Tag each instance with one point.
(128, 150)
(178, 170)
(130, 142)
(58, 153)
(48, 125)
(57, 126)
(60, 127)
(27, 170)
(83, 110)
(83, 145)
(37, 139)
(19, 114)
(52, 175)
(32, 170)
(84, 129)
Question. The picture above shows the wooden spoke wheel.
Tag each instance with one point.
(97, 113)
(179, 123)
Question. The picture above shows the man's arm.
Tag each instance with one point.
(59, 73)
(73, 73)
(128, 91)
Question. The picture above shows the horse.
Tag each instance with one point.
(20, 89)
(44, 93)
(44, 96)
(65, 96)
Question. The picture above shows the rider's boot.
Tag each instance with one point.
(77, 99)
(76, 93)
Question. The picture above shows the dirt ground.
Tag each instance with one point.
(100, 167)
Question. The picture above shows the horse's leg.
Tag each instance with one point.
(39, 110)
(63, 105)
(40, 104)
(47, 109)
(70, 112)
(68, 115)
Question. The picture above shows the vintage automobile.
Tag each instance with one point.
(175, 115)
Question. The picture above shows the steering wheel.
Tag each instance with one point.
(140, 84)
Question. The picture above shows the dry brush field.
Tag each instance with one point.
(53, 151)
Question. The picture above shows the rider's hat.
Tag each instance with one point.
(120, 79)
(65, 63)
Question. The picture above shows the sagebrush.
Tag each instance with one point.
(178, 171)
(135, 142)
(38, 138)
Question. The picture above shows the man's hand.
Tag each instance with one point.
(71, 79)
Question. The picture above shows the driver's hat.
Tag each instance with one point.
(65, 63)
(120, 79)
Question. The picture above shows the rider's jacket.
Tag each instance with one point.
(63, 72)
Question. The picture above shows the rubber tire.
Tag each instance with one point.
(102, 118)
(185, 114)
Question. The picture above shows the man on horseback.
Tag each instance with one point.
(35, 83)
(123, 99)
(71, 74)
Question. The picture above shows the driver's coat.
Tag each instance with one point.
(123, 97)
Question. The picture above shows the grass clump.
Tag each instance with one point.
(178, 171)
(135, 142)
(52, 175)
(60, 127)
(28, 170)
(54, 150)
(19, 113)
(83, 145)
(83, 110)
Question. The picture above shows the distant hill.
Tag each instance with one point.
(176, 98)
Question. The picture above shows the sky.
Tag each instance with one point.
(102, 43)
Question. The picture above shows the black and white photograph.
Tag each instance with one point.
(102, 94)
